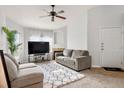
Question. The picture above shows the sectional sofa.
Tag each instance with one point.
(75, 59)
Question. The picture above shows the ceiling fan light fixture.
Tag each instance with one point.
(54, 14)
(52, 19)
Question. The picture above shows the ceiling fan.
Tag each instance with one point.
(53, 14)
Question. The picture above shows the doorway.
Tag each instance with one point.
(111, 47)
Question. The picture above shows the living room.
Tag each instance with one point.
(84, 37)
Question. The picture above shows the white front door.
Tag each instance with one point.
(111, 47)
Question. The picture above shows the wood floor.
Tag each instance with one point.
(102, 71)
(99, 78)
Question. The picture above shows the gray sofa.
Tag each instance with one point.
(75, 59)
(26, 75)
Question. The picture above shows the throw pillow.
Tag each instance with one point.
(77, 53)
(67, 52)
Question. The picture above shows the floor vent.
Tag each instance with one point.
(113, 69)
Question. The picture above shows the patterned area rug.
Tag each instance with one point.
(56, 75)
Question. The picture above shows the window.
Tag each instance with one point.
(17, 37)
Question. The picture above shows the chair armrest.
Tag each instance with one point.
(27, 65)
(83, 62)
(58, 54)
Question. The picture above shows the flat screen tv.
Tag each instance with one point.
(38, 47)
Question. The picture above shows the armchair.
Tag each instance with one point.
(24, 75)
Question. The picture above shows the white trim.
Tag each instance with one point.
(96, 66)
(109, 27)
(122, 47)
(100, 40)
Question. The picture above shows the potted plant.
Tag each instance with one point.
(11, 34)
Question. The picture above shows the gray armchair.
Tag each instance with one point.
(26, 75)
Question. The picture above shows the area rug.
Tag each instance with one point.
(56, 75)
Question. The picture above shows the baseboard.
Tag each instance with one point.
(96, 66)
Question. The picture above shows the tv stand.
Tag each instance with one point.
(40, 54)
(38, 57)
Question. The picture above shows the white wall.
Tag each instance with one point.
(102, 16)
(77, 28)
(14, 26)
(60, 38)
(5, 21)
(2, 34)
(31, 34)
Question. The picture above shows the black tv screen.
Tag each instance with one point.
(38, 47)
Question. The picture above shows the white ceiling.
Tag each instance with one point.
(28, 16)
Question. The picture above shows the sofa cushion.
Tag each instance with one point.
(69, 62)
(67, 52)
(11, 68)
(85, 53)
(12, 58)
(26, 65)
(61, 58)
(78, 53)
(27, 77)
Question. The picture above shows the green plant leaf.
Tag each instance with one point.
(11, 39)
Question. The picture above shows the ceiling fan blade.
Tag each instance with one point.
(44, 16)
(61, 17)
(52, 19)
(62, 11)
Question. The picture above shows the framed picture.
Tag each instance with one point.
(4, 77)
